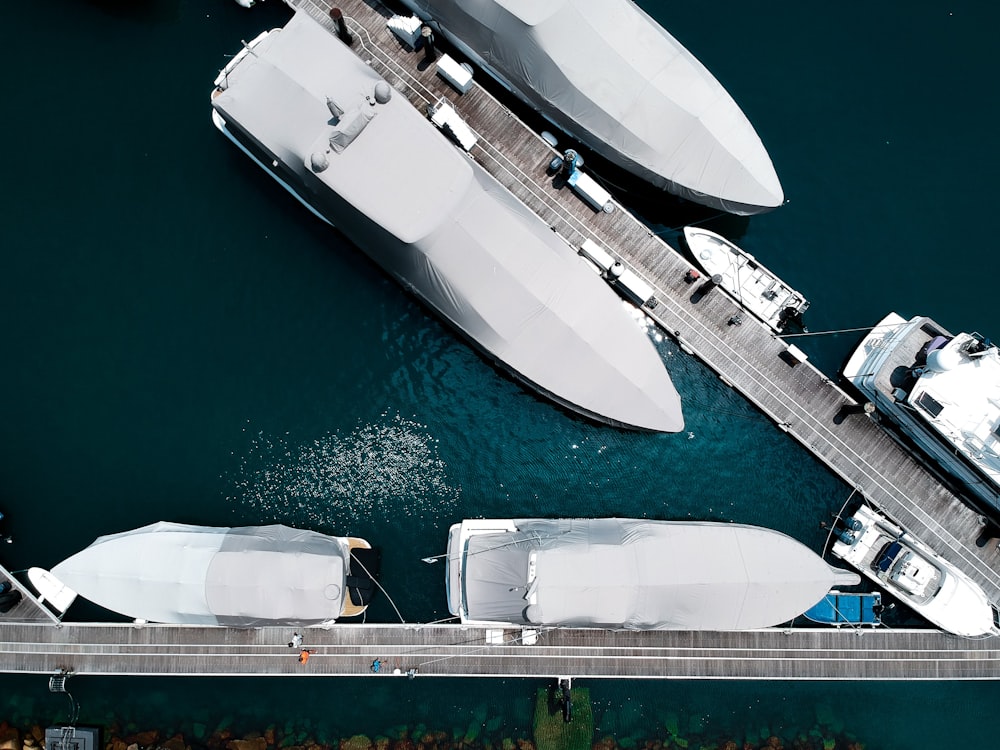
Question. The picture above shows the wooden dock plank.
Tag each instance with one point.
(455, 650)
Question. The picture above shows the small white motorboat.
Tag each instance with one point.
(746, 280)
(915, 574)
(50, 589)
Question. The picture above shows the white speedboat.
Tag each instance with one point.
(942, 391)
(247, 576)
(631, 573)
(321, 121)
(50, 589)
(748, 282)
(915, 574)
(608, 75)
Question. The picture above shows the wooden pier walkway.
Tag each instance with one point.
(457, 651)
(33, 641)
(801, 400)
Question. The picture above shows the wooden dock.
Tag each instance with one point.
(457, 651)
(34, 641)
(800, 400)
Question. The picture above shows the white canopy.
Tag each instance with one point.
(447, 230)
(642, 575)
(609, 75)
(201, 575)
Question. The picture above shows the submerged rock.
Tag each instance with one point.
(255, 743)
(175, 743)
(147, 738)
(357, 742)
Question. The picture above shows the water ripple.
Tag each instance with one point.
(378, 471)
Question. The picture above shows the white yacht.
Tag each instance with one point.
(942, 391)
(915, 574)
(743, 277)
(611, 77)
(248, 576)
(633, 574)
(332, 132)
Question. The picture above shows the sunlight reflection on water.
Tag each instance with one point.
(378, 470)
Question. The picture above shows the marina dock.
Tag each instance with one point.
(775, 377)
(457, 651)
(34, 641)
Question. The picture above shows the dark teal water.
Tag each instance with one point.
(184, 342)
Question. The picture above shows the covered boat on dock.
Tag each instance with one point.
(249, 576)
(608, 75)
(632, 574)
(324, 124)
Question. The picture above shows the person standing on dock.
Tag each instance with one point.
(296, 641)
(304, 655)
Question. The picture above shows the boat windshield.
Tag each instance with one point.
(886, 557)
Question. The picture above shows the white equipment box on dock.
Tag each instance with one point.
(597, 255)
(797, 354)
(635, 288)
(445, 117)
(588, 189)
(457, 75)
(407, 29)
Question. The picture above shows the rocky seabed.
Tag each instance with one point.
(668, 737)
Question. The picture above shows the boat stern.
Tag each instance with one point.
(865, 362)
(453, 570)
(361, 577)
(456, 558)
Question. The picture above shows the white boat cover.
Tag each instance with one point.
(610, 76)
(200, 575)
(441, 225)
(643, 575)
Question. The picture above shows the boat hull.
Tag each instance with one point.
(457, 239)
(916, 575)
(608, 75)
(748, 282)
(50, 589)
(249, 576)
(879, 367)
(631, 574)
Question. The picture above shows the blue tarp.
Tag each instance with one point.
(847, 609)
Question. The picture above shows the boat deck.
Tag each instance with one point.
(458, 651)
(796, 396)
(893, 373)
